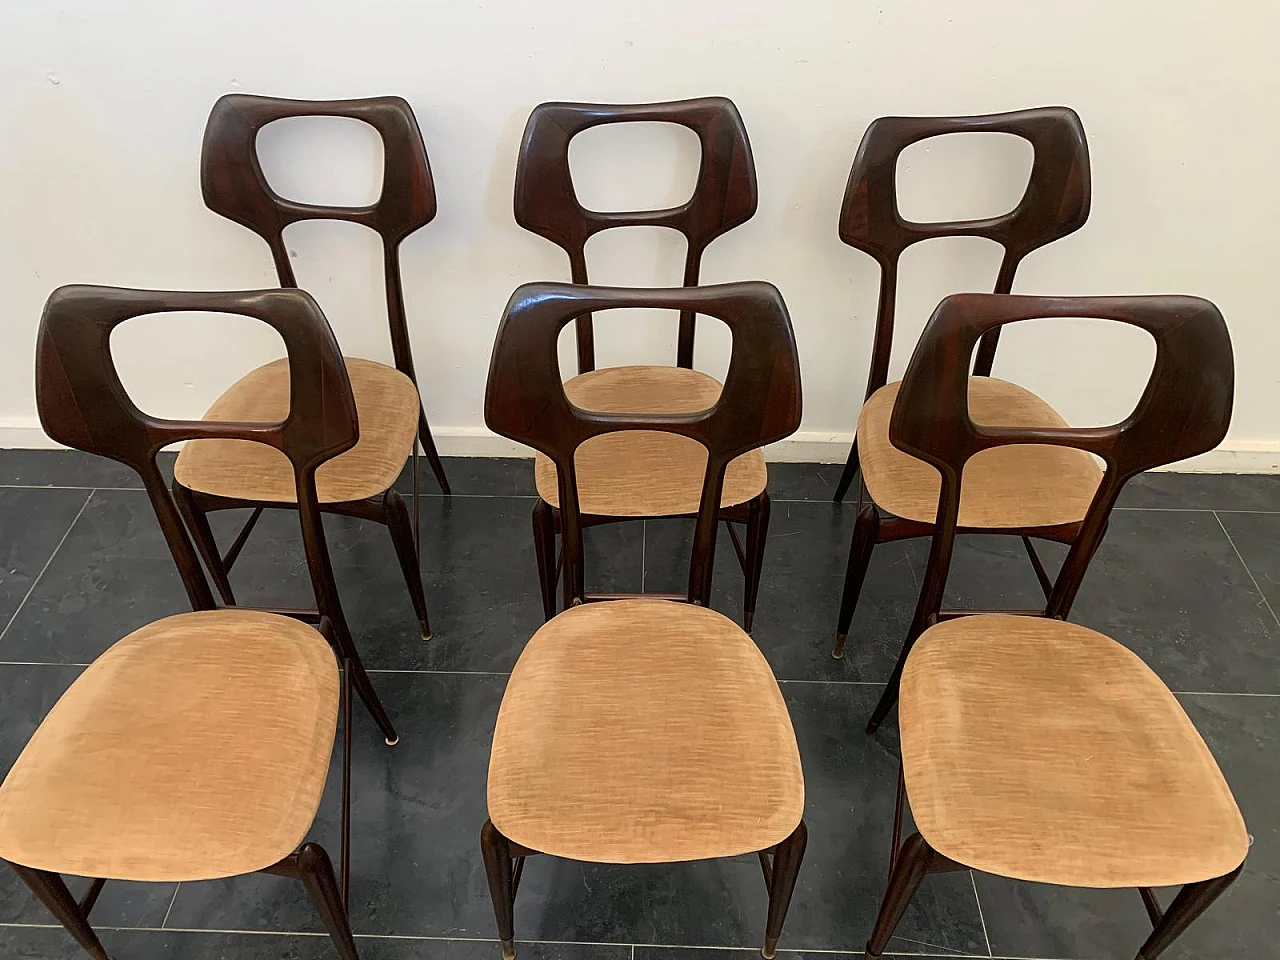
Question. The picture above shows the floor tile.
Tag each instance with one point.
(71, 468)
(29, 693)
(1037, 920)
(112, 574)
(474, 477)
(805, 481)
(1257, 537)
(1202, 491)
(32, 524)
(746, 953)
(1170, 586)
(25, 943)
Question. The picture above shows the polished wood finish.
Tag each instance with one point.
(234, 185)
(525, 401)
(1184, 410)
(1055, 204)
(83, 404)
(724, 196)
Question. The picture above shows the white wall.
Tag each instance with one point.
(102, 106)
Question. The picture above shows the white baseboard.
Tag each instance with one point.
(807, 446)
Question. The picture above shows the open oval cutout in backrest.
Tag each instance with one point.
(331, 161)
(175, 365)
(634, 336)
(632, 166)
(963, 176)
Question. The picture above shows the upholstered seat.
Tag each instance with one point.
(644, 731)
(645, 473)
(1009, 486)
(1042, 750)
(387, 407)
(195, 748)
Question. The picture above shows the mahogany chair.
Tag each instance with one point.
(198, 746)
(643, 474)
(1035, 491)
(643, 730)
(1033, 748)
(227, 474)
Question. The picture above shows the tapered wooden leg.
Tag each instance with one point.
(757, 534)
(498, 866)
(197, 522)
(787, 857)
(396, 516)
(866, 529)
(315, 870)
(910, 868)
(1191, 901)
(889, 695)
(53, 893)
(429, 450)
(544, 546)
(848, 473)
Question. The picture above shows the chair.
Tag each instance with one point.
(643, 730)
(643, 474)
(226, 474)
(198, 746)
(999, 499)
(1034, 748)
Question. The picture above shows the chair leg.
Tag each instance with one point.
(910, 868)
(757, 534)
(429, 449)
(53, 893)
(198, 523)
(866, 530)
(787, 857)
(396, 516)
(498, 866)
(848, 473)
(315, 870)
(544, 546)
(1191, 901)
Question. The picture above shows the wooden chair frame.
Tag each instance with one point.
(1056, 204)
(723, 197)
(234, 185)
(1184, 410)
(760, 403)
(83, 404)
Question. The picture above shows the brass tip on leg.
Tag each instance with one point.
(770, 948)
(392, 743)
(508, 950)
(425, 630)
(837, 652)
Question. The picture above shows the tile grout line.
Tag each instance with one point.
(1252, 578)
(172, 901)
(981, 917)
(36, 579)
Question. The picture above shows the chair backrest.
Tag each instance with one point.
(759, 403)
(83, 404)
(723, 197)
(1184, 410)
(234, 185)
(1056, 203)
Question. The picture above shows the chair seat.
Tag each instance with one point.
(646, 473)
(387, 408)
(1016, 486)
(644, 731)
(195, 748)
(1044, 751)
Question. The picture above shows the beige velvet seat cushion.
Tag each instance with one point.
(645, 473)
(387, 410)
(194, 748)
(1024, 485)
(644, 731)
(1045, 751)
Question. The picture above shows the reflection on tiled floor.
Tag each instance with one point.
(1189, 577)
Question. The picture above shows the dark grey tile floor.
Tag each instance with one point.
(1189, 577)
